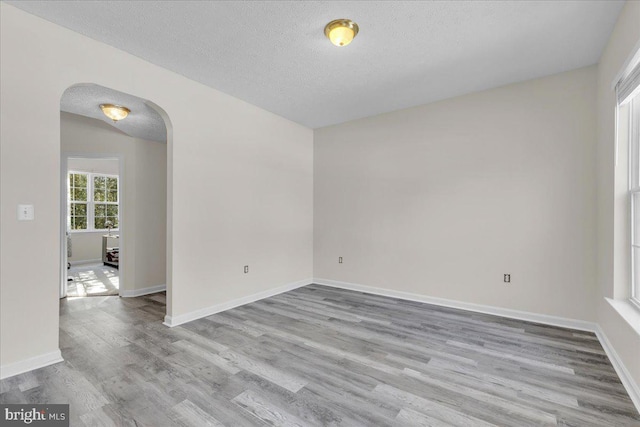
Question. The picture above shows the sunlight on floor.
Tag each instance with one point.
(90, 280)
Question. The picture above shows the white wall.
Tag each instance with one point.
(87, 164)
(240, 186)
(441, 200)
(87, 247)
(142, 188)
(612, 207)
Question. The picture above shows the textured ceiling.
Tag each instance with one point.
(142, 122)
(274, 54)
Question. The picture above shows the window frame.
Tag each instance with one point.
(91, 203)
(634, 189)
(104, 202)
(71, 200)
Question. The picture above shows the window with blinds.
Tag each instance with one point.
(628, 93)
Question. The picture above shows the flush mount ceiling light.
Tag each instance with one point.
(341, 31)
(115, 112)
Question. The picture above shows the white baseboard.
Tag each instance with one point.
(86, 262)
(143, 291)
(625, 377)
(11, 369)
(623, 373)
(172, 321)
(487, 309)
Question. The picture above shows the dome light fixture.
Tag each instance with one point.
(115, 112)
(341, 31)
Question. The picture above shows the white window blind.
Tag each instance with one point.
(629, 86)
(634, 192)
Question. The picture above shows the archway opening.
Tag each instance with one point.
(116, 224)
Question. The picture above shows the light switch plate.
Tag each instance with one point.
(25, 213)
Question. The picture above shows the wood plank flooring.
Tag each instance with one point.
(322, 356)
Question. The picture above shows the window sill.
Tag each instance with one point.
(113, 231)
(628, 311)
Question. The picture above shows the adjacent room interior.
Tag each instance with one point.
(92, 229)
(255, 213)
(114, 194)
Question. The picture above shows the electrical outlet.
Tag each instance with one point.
(507, 278)
(246, 269)
(339, 260)
(25, 213)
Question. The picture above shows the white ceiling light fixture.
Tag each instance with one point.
(115, 112)
(341, 32)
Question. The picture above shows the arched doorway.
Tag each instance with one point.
(136, 201)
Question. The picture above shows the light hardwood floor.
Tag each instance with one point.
(322, 356)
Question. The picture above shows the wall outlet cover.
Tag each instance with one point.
(26, 213)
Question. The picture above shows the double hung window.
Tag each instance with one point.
(634, 195)
(628, 93)
(93, 201)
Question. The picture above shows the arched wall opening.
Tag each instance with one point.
(140, 144)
